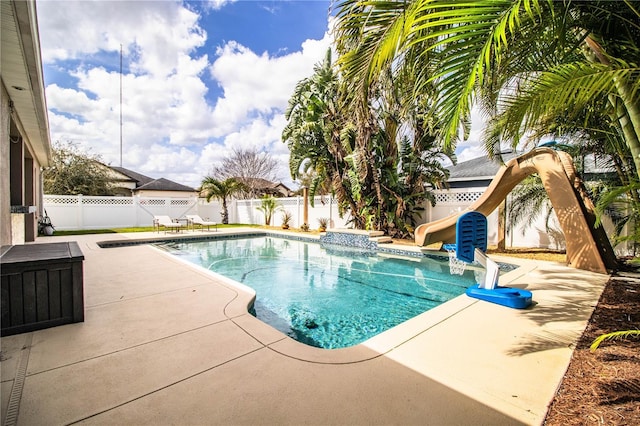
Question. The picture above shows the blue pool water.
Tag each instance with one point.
(327, 297)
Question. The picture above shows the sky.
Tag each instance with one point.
(198, 78)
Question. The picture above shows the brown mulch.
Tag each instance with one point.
(603, 387)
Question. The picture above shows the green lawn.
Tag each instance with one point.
(138, 229)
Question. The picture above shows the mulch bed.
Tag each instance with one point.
(603, 387)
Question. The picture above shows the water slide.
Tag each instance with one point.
(588, 247)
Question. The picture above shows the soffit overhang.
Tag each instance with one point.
(22, 77)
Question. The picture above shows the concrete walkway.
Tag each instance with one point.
(166, 343)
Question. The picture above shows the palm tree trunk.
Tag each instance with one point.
(628, 113)
(629, 117)
(364, 140)
(225, 211)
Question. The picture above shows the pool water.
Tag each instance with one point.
(327, 297)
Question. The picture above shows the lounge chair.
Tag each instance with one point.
(167, 223)
(194, 220)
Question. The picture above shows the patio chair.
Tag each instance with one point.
(167, 223)
(194, 220)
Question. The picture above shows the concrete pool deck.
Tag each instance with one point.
(167, 343)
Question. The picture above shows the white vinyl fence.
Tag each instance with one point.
(246, 211)
(70, 212)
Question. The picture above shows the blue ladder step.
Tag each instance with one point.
(506, 296)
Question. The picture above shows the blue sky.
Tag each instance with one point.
(199, 77)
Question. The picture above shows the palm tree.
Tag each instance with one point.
(327, 138)
(317, 134)
(221, 190)
(268, 206)
(497, 52)
(313, 125)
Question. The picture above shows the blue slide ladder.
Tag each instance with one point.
(471, 245)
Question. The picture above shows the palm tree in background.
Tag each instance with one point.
(268, 206)
(379, 185)
(221, 190)
(313, 127)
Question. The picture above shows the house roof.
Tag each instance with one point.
(150, 184)
(260, 183)
(140, 179)
(483, 168)
(163, 184)
(480, 168)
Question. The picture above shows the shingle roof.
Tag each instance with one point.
(139, 178)
(478, 168)
(163, 184)
(148, 183)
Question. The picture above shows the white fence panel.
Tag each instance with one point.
(63, 211)
(327, 208)
(291, 205)
(69, 212)
(246, 211)
(106, 212)
(88, 212)
(536, 234)
(211, 211)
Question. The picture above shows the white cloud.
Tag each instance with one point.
(259, 83)
(470, 152)
(261, 133)
(158, 32)
(472, 147)
(217, 4)
(169, 128)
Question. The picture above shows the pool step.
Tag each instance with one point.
(382, 239)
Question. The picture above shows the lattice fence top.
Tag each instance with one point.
(61, 200)
(450, 197)
(152, 201)
(319, 201)
(107, 202)
(73, 200)
(183, 202)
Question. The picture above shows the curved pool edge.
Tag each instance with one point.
(237, 310)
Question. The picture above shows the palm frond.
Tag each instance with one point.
(368, 36)
(559, 91)
(613, 336)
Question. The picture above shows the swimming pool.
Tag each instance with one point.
(328, 297)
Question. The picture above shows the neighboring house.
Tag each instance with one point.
(124, 181)
(128, 183)
(25, 146)
(478, 172)
(260, 187)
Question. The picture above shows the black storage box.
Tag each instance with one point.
(42, 286)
